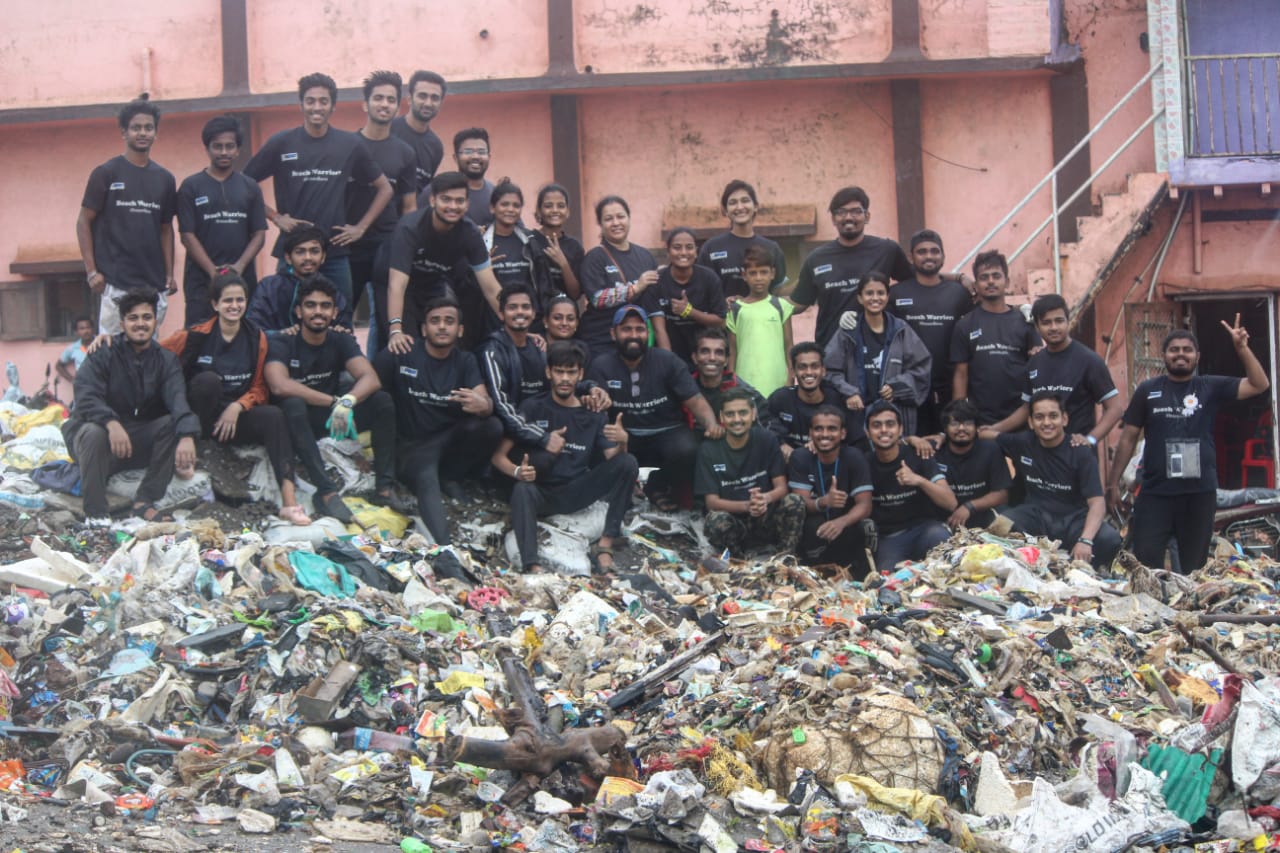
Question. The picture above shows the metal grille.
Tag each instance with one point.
(1146, 324)
(1233, 103)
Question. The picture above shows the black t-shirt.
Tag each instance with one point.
(731, 474)
(398, 162)
(832, 275)
(807, 471)
(790, 415)
(234, 361)
(1079, 376)
(896, 507)
(979, 472)
(584, 440)
(932, 312)
(1169, 412)
(704, 294)
(995, 347)
(420, 385)
(222, 215)
(318, 367)
(533, 371)
(573, 253)
(428, 256)
(605, 267)
(510, 266)
(132, 203)
(872, 370)
(310, 177)
(723, 254)
(652, 401)
(427, 148)
(1058, 479)
(479, 209)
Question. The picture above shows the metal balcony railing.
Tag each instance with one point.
(1233, 101)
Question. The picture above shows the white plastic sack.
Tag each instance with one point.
(1255, 743)
(39, 445)
(179, 493)
(343, 456)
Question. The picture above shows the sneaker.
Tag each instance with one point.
(100, 522)
(332, 505)
(392, 500)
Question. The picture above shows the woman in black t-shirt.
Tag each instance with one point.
(614, 274)
(688, 297)
(561, 319)
(564, 252)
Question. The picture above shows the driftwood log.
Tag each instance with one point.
(534, 749)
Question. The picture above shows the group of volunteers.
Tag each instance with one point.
(509, 353)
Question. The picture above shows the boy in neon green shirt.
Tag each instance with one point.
(759, 327)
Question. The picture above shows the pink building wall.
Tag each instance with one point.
(660, 146)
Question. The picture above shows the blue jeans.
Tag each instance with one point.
(910, 544)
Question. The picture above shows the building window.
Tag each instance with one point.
(45, 308)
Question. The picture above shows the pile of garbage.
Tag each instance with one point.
(176, 682)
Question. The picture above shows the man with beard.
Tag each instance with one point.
(931, 305)
(426, 95)
(991, 344)
(711, 369)
(425, 248)
(833, 272)
(833, 481)
(398, 163)
(1068, 368)
(1176, 413)
(131, 412)
(304, 370)
(742, 481)
(907, 492)
(310, 168)
(591, 462)
(222, 220)
(1064, 494)
(648, 387)
(792, 407)
(444, 418)
(272, 306)
(125, 227)
(471, 154)
(974, 467)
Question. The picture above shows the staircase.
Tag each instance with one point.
(1104, 238)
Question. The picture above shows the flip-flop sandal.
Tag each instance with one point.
(295, 515)
(595, 553)
(150, 513)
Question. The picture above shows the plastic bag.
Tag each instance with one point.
(322, 575)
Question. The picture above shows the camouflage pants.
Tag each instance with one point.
(782, 524)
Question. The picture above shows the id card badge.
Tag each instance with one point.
(1182, 460)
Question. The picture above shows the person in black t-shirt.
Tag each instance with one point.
(564, 251)
(517, 254)
(222, 361)
(792, 407)
(561, 319)
(649, 387)
(303, 371)
(931, 305)
(591, 462)
(834, 271)
(444, 416)
(274, 303)
(125, 226)
(426, 91)
(1064, 494)
(686, 298)
(1176, 413)
(711, 370)
(723, 253)
(907, 492)
(833, 481)
(741, 479)
(974, 467)
(615, 273)
(471, 153)
(310, 168)
(991, 344)
(398, 163)
(427, 249)
(222, 219)
(1069, 369)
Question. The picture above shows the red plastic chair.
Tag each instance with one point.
(1257, 455)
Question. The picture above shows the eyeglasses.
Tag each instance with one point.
(474, 152)
(849, 212)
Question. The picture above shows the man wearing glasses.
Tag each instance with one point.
(833, 272)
